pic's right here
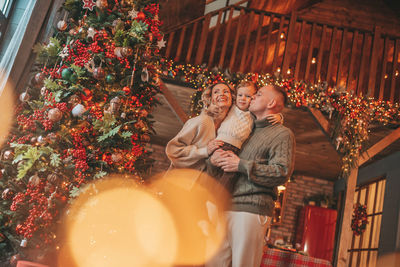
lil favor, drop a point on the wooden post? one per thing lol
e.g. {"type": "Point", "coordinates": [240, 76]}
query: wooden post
{"type": "Point", "coordinates": [345, 233]}
{"type": "Point", "coordinates": [310, 51]}
{"type": "Point", "coordinates": [341, 57]}
{"type": "Point", "coordinates": [299, 50]}
{"type": "Point", "coordinates": [181, 38]}
{"type": "Point", "coordinates": [352, 59]}
{"type": "Point", "coordinates": [383, 73]}
{"type": "Point", "coordinates": [246, 42]}
{"type": "Point", "coordinates": [203, 40]}
{"type": "Point", "coordinates": [191, 43]}
{"type": "Point", "coordinates": [394, 69]}
{"type": "Point", "coordinates": [374, 61]}
{"type": "Point", "coordinates": [320, 53]}
{"type": "Point", "coordinates": [173, 104]}
{"type": "Point", "coordinates": [226, 38]}
{"type": "Point", "coordinates": [256, 51]}
{"type": "Point", "coordinates": [169, 44]}
{"type": "Point", "coordinates": [215, 39]}
{"type": "Point", "coordinates": [278, 41]}
{"type": "Point", "coordinates": [289, 41]}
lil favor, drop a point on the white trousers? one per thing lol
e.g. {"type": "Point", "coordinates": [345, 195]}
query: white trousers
{"type": "Point", "coordinates": [243, 245]}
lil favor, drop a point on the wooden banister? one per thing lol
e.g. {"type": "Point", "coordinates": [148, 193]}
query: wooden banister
{"type": "Point", "coordinates": [250, 41]}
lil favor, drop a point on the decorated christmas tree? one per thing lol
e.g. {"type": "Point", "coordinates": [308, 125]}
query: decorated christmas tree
{"type": "Point", "coordinates": [85, 114]}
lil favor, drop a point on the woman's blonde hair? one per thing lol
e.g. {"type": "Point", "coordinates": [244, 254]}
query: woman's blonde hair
{"type": "Point", "coordinates": [206, 95]}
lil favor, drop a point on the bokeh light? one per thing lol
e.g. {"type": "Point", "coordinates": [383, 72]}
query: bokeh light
{"type": "Point", "coordinates": [115, 222]}
{"type": "Point", "coordinates": [197, 203]}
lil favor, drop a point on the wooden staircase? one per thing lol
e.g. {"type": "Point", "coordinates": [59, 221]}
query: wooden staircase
{"type": "Point", "coordinates": [249, 40]}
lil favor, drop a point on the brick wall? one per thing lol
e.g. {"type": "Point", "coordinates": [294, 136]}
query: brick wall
{"type": "Point", "coordinates": [299, 188]}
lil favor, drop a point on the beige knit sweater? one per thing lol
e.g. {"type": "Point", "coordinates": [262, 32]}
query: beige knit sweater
{"type": "Point", "coordinates": [188, 149]}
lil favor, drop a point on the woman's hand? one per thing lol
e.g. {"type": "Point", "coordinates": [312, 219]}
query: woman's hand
{"type": "Point", "coordinates": [213, 145]}
{"type": "Point", "coordinates": [275, 118]}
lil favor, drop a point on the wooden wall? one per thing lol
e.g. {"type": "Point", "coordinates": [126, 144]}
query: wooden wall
{"type": "Point", "coordinates": [176, 12]}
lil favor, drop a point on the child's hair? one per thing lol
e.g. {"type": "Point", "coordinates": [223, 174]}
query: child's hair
{"type": "Point", "coordinates": [206, 95]}
{"type": "Point", "coordinates": [247, 84]}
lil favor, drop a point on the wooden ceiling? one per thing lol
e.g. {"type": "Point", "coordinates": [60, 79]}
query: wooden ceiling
{"type": "Point", "coordinates": [315, 155]}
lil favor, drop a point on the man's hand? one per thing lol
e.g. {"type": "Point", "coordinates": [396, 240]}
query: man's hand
{"type": "Point", "coordinates": [230, 163]}
{"type": "Point", "coordinates": [215, 158]}
{"type": "Point", "coordinates": [227, 160]}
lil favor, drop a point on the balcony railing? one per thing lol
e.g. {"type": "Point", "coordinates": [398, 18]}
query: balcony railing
{"type": "Point", "coordinates": [249, 40]}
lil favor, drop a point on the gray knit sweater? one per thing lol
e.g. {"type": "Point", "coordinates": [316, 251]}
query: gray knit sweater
{"type": "Point", "coordinates": [266, 161]}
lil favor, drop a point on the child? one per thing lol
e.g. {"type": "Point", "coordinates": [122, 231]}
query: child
{"type": "Point", "coordinates": [237, 126]}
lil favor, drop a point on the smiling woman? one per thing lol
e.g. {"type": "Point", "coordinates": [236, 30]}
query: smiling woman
{"type": "Point", "coordinates": [195, 142]}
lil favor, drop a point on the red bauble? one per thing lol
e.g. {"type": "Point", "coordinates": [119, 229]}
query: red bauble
{"type": "Point", "coordinates": [88, 95]}
{"type": "Point", "coordinates": [127, 90]}
{"type": "Point", "coordinates": [98, 73]}
{"type": "Point", "coordinates": [141, 16]}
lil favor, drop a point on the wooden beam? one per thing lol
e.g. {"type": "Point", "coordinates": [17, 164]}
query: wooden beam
{"type": "Point", "coordinates": [345, 234]}
{"type": "Point", "coordinates": [174, 105]}
{"type": "Point", "coordinates": [322, 121]}
{"type": "Point", "coordinates": [378, 147]}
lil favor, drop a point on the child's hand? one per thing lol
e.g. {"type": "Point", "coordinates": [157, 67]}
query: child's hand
{"type": "Point", "coordinates": [275, 118]}
{"type": "Point", "coordinates": [214, 145]}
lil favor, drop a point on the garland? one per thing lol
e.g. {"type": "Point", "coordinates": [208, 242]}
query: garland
{"type": "Point", "coordinates": [359, 221]}
{"type": "Point", "coordinates": [351, 115]}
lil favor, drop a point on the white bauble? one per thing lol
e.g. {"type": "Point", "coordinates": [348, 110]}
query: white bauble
{"type": "Point", "coordinates": [78, 110]}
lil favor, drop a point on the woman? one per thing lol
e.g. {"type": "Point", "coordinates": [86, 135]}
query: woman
{"type": "Point", "coordinates": [196, 140]}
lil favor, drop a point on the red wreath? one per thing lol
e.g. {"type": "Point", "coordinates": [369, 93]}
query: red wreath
{"type": "Point", "coordinates": [360, 220]}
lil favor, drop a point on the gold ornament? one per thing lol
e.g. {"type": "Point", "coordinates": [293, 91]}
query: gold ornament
{"type": "Point", "coordinates": [52, 137]}
{"type": "Point", "coordinates": [55, 114]}
{"type": "Point", "coordinates": [145, 138]}
{"type": "Point", "coordinates": [102, 4]}
{"type": "Point", "coordinates": [127, 51]}
{"type": "Point", "coordinates": [8, 155]}
{"type": "Point", "coordinates": [53, 178]}
{"type": "Point", "coordinates": [115, 104]}
{"type": "Point", "coordinates": [74, 100]}
{"type": "Point", "coordinates": [43, 91]}
{"type": "Point", "coordinates": [24, 97]}
{"type": "Point", "coordinates": [118, 52]}
{"type": "Point", "coordinates": [116, 157]}
{"type": "Point", "coordinates": [34, 180]}
{"type": "Point", "coordinates": [62, 25]}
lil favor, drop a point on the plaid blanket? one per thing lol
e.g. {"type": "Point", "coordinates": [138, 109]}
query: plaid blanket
{"type": "Point", "coordinates": [279, 258]}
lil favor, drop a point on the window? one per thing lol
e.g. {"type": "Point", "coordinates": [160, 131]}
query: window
{"type": "Point", "coordinates": [364, 248]}
{"type": "Point", "coordinates": [5, 8]}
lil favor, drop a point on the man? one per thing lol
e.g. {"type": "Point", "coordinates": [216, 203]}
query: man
{"type": "Point", "coordinates": [266, 161]}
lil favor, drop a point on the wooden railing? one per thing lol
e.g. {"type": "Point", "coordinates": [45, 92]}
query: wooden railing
{"type": "Point", "coordinates": [249, 40]}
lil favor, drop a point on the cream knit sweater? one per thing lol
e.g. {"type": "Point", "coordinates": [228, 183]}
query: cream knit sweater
{"type": "Point", "coordinates": [236, 127]}
{"type": "Point", "coordinates": [188, 149]}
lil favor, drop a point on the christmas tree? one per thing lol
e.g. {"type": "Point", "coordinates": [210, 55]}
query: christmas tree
{"type": "Point", "coordinates": [85, 114]}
